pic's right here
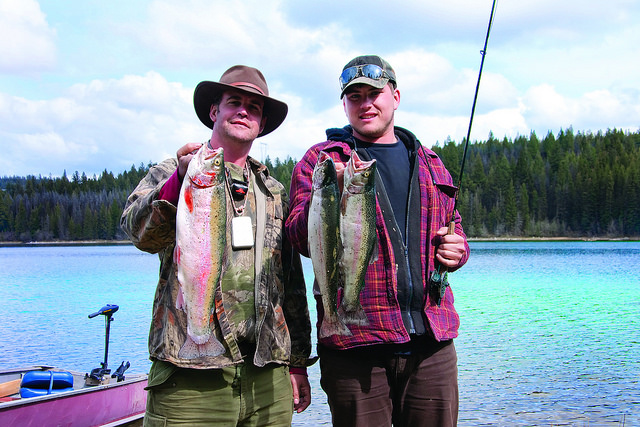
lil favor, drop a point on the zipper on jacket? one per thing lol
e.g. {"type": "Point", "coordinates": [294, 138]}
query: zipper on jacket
{"type": "Point", "coordinates": [412, 326]}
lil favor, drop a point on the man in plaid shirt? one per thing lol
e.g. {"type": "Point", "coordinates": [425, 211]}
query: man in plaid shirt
{"type": "Point", "coordinates": [401, 368]}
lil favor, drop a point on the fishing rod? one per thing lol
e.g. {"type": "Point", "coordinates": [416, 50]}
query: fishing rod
{"type": "Point", "coordinates": [439, 277]}
{"type": "Point", "coordinates": [473, 110]}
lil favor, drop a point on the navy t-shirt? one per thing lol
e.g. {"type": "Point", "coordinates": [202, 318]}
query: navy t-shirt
{"type": "Point", "coordinates": [392, 163]}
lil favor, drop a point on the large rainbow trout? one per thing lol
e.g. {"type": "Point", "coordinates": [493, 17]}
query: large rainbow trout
{"type": "Point", "coordinates": [324, 242]}
{"type": "Point", "coordinates": [358, 235]}
{"type": "Point", "coordinates": [201, 241]}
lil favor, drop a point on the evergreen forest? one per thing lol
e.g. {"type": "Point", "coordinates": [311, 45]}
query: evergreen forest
{"type": "Point", "coordinates": [78, 208]}
{"type": "Point", "coordinates": [572, 185]}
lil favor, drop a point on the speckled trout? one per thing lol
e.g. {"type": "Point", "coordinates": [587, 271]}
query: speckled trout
{"type": "Point", "coordinates": [358, 235]}
{"type": "Point", "coordinates": [324, 242]}
{"type": "Point", "coordinates": [201, 240]}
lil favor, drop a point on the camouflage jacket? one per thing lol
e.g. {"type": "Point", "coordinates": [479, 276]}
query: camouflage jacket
{"type": "Point", "coordinates": [283, 328]}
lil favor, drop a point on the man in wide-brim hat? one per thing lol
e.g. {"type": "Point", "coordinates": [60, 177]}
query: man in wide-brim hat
{"type": "Point", "coordinates": [245, 79]}
{"type": "Point", "coordinates": [252, 368]}
{"type": "Point", "coordinates": [233, 128]}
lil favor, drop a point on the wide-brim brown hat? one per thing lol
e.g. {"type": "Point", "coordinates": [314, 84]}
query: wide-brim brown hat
{"type": "Point", "coordinates": [246, 79]}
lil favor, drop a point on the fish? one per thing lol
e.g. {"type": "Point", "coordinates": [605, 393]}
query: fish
{"type": "Point", "coordinates": [200, 251]}
{"type": "Point", "coordinates": [324, 242]}
{"type": "Point", "coordinates": [358, 235]}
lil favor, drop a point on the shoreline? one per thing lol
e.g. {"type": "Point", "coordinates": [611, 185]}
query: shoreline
{"type": "Point", "coordinates": [554, 239]}
{"type": "Point", "coordinates": [474, 239]}
{"type": "Point", "coordinates": [67, 243]}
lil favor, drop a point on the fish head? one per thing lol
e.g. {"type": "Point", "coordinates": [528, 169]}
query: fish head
{"type": "Point", "coordinates": [206, 168]}
{"type": "Point", "coordinates": [324, 172]}
{"type": "Point", "coordinates": [359, 175]}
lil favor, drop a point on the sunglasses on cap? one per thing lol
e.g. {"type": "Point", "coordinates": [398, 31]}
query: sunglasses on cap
{"type": "Point", "coordinates": [370, 71]}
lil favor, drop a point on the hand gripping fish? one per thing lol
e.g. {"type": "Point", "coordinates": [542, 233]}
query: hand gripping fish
{"type": "Point", "coordinates": [324, 242]}
{"type": "Point", "coordinates": [358, 235]}
{"type": "Point", "coordinates": [200, 249]}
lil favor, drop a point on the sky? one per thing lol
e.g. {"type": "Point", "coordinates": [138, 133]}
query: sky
{"type": "Point", "coordinates": [94, 85]}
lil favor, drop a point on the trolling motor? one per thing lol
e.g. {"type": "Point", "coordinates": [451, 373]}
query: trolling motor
{"type": "Point", "coordinates": [97, 375]}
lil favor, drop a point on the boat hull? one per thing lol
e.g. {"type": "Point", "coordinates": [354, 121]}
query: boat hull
{"type": "Point", "coordinates": [107, 404]}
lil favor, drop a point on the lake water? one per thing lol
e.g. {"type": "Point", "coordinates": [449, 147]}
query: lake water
{"type": "Point", "coordinates": [550, 331]}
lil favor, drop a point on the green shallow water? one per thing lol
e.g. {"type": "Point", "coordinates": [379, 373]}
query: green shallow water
{"type": "Point", "coordinates": [549, 334]}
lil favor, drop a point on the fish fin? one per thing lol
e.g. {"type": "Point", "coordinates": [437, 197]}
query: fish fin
{"type": "Point", "coordinates": [180, 299]}
{"type": "Point", "coordinates": [333, 326]}
{"type": "Point", "coordinates": [342, 206]}
{"type": "Point", "coordinates": [353, 315]}
{"type": "Point", "coordinates": [176, 255]}
{"type": "Point", "coordinates": [180, 303]}
{"type": "Point", "coordinates": [191, 350]}
{"type": "Point", "coordinates": [340, 276]}
{"type": "Point", "coordinates": [374, 253]}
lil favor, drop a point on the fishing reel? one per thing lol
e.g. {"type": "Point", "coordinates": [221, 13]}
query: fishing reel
{"type": "Point", "coordinates": [438, 284]}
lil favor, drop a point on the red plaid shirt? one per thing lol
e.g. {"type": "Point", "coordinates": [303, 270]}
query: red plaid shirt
{"type": "Point", "coordinates": [379, 296]}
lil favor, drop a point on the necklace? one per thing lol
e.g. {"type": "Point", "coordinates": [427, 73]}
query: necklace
{"type": "Point", "coordinates": [242, 235]}
{"type": "Point", "coordinates": [239, 190]}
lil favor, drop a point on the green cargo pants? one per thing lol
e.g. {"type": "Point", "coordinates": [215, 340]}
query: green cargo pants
{"type": "Point", "coordinates": [242, 395]}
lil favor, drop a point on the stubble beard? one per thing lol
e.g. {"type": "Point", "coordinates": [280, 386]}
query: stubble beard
{"type": "Point", "coordinates": [238, 135]}
{"type": "Point", "coordinates": [374, 132]}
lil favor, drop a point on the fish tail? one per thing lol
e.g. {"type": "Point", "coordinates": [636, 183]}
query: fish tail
{"type": "Point", "coordinates": [191, 350]}
{"type": "Point", "coordinates": [333, 326]}
{"type": "Point", "coordinates": [212, 348]}
{"type": "Point", "coordinates": [353, 315]}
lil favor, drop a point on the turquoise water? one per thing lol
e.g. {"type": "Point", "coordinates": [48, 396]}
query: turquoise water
{"type": "Point", "coordinates": [550, 331]}
{"type": "Point", "coordinates": [550, 334]}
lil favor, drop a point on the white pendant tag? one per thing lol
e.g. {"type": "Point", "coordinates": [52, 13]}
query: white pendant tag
{"type": "Point", "coordinates": [241, 232]}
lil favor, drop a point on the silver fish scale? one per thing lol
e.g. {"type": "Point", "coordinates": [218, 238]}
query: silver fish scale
{"type": "Point", "coordinates": [324, 242]}
{"type": "Point", "coordinates": [200, 245]}
{"type": "Point", "coordinates": [358, 235]}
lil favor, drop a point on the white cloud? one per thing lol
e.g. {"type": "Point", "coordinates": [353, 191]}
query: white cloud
{"type": "Point", "coordinates": [302, 128]}
{"type": "Point", "coordinates": [549, 65]}
{"type": "Point", "coordinates": [250, 30]}
{"type": "Point", "coordinates": [593, 111]}
{"type": "Point", "coordinates": [108, 124]}
{"type": "Point", "coordinates": [27, 43]}
{"type": "Point", "coordinates": [294, 58]}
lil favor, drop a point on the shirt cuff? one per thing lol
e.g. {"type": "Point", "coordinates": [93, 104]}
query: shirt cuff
{"type": "Point", "coordinates": [298, 371]}
{"type": "Point", "coordinates": [170, 191]}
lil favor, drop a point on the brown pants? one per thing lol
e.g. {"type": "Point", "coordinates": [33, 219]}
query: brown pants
{"type": "Point", "coordinates": [369, 388]}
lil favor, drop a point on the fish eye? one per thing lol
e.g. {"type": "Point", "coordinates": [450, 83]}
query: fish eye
{"type": "Point", "coordinates": [217, 162]}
